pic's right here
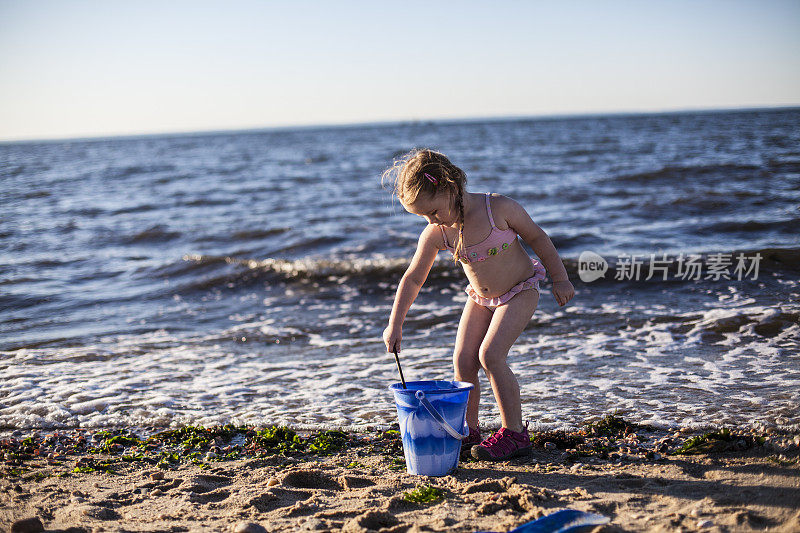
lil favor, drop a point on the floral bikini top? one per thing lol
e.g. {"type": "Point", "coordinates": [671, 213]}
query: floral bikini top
{"type": "Point", "coordinates": [497, 241]}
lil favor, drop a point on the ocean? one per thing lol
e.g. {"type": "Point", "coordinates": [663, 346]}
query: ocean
{"type": "Point", "coordinates": [246, 277]}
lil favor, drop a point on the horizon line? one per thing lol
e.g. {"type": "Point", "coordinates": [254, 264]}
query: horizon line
{"type": "Point", "coordinates": [388, 122]}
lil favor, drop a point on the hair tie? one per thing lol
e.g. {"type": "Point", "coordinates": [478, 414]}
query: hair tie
{"type": "Point", "coordinates": [431, 178]}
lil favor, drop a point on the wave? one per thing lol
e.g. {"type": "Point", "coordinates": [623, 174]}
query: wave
{"type": "Point", "coordinates": [85, 211]}
{"type": "Point", "coordinates": [228, 236]}
{"type": "Point", "coordinates": [747, 226]}
{"type": "Point", "coordinates": [671, 172]}
{"type": "Point", "coordinates": [14, 281]}
{"type": "Point", "coordinates": [114, 173]}
{"type": "Point", "coordinates": [9, 171]}
{"type": "Point", "coordinates": [159, 232]}
{"type": "Point", "coordinates": [322, 270]}
{"type": "Point", "coordinates": [169, 178]}
{"type": "Point", "coordinates": [208, 202]}
{"type": "Point", "coordinates": [36, 194]}
{"type": "Point", "coordinates": [599, 150]}
{"type": "Point", "coordinates": [15, 302]}
{"type": "Point", "coordinates": [768, 324]}
{"type": "Point", "coordinates": [713, 324]}
{"type": "Point", "coordinates": [53, 261]}
{"type": "Point", "coordinates": [784, 166]}
{"type": "Point", "coordinates": [12, 170]}
{"type": "Point", "coordinates": [246, 235]}
{"type": "Point", "coordinates": [571, 241]}
{"type": "Point", "coordinates": [134, 209]}
{"type": "Point", "coordinates": [368, 273]}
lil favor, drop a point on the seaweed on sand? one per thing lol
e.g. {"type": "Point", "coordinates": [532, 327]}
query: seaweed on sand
{"type": "Point", "coordinates": [613, 425]}
{"type": "Point", "coordinates": [328, 442]}
{"type": "Point", "coordinates": [560, 438]}
{"type": "Point", "coordinates": [278, 439]}
{"type": "Point", "coordinates": [197, 437]}
{"type": "Point", "coordinates": [424, 494]}
{"type": "Point", "coordinates": [86, 465]}
{"type": "Point", "coordinates": [718, 441]}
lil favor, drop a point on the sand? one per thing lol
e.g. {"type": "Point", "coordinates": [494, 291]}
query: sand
{"type": "Point", "coordinates": [358, 484]}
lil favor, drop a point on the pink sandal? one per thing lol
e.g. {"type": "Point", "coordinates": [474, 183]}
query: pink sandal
{"type": "Point", "coordinates": [503, 444]}
{"type": "Point", "coordinates": [473, 439]}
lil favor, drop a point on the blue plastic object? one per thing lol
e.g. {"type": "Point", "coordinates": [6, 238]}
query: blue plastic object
{"type": "Point", "coordinates": [432, 416]}
{"type": "Point", "coordinates": [564, 521]}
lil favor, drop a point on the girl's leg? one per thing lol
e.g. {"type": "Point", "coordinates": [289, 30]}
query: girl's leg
{"type": "Point", "coordinates": [471, 329]}
{"type": "Point", "coordinates": [508, 321]}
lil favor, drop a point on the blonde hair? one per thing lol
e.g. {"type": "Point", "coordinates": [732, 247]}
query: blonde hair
{"type": "Point", "coordinates": [409, 181]}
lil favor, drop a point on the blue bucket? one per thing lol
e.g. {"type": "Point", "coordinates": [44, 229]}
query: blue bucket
{"type": "Point", "coordinates": [429, 413]}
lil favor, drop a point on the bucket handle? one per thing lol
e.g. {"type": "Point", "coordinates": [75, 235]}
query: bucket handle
{"type": "Point", "coordinates": [438, 417]}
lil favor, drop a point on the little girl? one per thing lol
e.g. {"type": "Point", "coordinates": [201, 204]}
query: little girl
{"type": "Point", "coordinates": [503, 289]}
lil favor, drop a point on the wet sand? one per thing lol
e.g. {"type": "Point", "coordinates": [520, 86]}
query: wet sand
{"type": "Point", "coordinates": [250, 479]}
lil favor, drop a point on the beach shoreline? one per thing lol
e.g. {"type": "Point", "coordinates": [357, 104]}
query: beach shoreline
{"type": "Point", "coordinates": [223, 478]}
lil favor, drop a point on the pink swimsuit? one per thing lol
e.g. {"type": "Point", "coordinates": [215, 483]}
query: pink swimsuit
{"type": "Point", "coordinates": [497, 241]}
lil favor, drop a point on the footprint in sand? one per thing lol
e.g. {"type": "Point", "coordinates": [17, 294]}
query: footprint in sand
{"type": "Point", "coordinates": [354, 482]}
{"type": "Point", "coordinates": [206, 488]}
{"type": "Point", "coordinates": [287, 495]}
{"type": "Point", "coordinates": [370, 521]}
{"type": "Point", "coordinates": [208, 497]}
{"type": "Point", "coordinates": [506, 493]}
{"type": "Point", "coordinates": [311, 479]}
{"type": "Point", "coordinates": [203, 483]}
{"type": "Point", "coordinates": [276, 497]}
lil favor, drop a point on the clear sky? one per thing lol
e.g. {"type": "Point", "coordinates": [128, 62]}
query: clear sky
{"type": "Point", "coordinates": [81, 68]}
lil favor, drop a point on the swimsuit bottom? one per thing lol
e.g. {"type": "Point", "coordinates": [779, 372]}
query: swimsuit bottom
{"type": "Point", "coordinates": [530, 283]}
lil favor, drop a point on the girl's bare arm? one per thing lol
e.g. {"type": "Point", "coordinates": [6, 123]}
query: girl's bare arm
{"type": "Point", "coordinates": [519, 219]}
{"type": "Point", "coordinates": [416, 274]}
